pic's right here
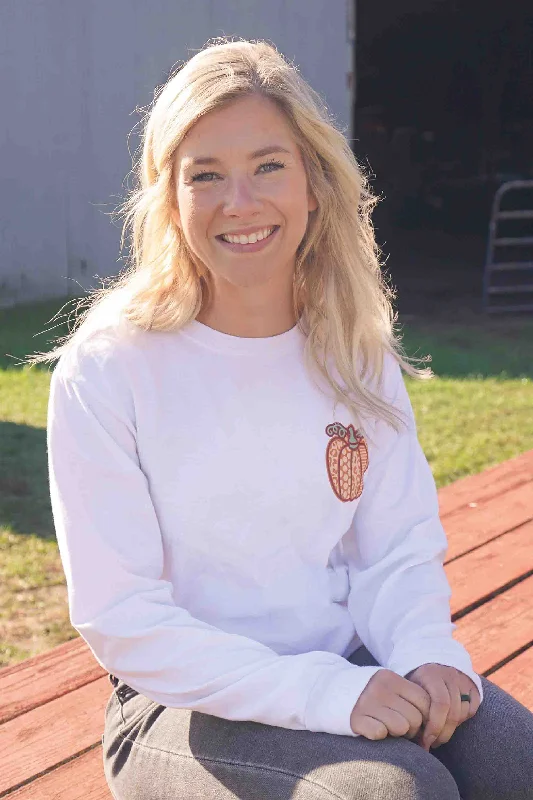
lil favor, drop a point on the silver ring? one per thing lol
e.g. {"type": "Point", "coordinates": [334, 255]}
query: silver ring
{"type": "Point", "coordinates": [465, 698]}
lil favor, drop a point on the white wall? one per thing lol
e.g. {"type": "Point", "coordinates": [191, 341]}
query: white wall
{"type": "Point", "coordinates": [72, 73]}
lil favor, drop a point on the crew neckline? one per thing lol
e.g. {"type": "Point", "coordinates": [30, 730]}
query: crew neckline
{"type": "Point", "coordinates": [281, 343]}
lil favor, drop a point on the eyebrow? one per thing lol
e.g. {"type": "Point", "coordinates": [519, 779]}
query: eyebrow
{"type": "Point", "coordinates": [264, 151]}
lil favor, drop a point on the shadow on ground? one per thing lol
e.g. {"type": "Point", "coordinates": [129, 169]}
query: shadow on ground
{"type": "Point", "coordinates": [24, 493]}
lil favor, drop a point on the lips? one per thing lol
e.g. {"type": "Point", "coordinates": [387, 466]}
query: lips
{"type": "Point", "coordinates": [271, 228]}
{"type": "Point", "coordinates": [249, 248]}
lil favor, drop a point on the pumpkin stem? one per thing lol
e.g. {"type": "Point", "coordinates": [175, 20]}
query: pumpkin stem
{"type": "Point", "coordinates": [354, 438]}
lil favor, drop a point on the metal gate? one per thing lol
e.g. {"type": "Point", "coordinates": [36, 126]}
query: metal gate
{"type": "Point", "coordinates": [513, 276]}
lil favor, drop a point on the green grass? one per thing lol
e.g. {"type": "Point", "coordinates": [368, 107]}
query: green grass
{"type": "Point", "coordinates": [474, 346]}
{"type": "Point", "coordinates": [476, 413]}
{"type": "Point", "coordinates": [467, 425]}
{"type": "Point", "coordinates": [30, 328]}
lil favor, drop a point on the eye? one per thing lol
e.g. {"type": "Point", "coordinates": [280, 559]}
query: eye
{"type": "Point", "coordinates": [201, 175]}
{"type": "Point", "coordinates": [276, 164]}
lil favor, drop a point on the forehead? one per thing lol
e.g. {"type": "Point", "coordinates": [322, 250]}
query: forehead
{"type": "Point", "coordinates": [245, 124]}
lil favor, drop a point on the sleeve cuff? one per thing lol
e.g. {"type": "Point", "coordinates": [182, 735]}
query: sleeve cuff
{"type": "Point", "coordinates": [332, 699]}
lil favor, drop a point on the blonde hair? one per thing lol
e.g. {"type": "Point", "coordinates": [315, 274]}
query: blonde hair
{"type": "Point", "coordinates": [340, 296]}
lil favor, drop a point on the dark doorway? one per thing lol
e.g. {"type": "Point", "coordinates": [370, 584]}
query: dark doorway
{"type": "Point", "coordinates": [443, 116]}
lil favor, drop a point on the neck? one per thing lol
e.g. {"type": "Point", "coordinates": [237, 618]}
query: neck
{"type": "Point", "coordinates": [253, 325]}
{"type": "Point", "coordinates": [249, 314]}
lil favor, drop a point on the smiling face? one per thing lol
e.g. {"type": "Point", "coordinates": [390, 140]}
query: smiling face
{"type": "Point", "coordinates": [239, 171]}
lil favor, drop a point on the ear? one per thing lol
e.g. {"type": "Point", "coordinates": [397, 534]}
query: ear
{"type": "Point", "coordinates": [312, 203]}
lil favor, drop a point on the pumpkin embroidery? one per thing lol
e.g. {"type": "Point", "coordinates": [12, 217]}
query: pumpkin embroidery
{"type": "Point", "coordinates": [346, 461]}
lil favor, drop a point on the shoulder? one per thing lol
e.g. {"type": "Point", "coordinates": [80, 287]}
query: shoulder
{"type": "Point", "coordinates": [103, 366]}
{"type": "Point", "coordinates": [107, 350]}
{"type": "Point", "coordinates": [384, 381]}
{"type": "Point", "coordinates": [383, 377]}
{"type": "Point", "coordinates": [91, 350]}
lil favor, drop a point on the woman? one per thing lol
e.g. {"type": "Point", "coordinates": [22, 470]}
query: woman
{"type": "Point", "coordinates": [248, 525]}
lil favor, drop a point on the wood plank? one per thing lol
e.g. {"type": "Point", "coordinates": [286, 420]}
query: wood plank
{"type": "Point", "coordinates": [494, 565]}
{"type": "Point", "coordinates": [53, 732]}
{"type": "Point", "coordinates": [498, 628]}
{"type": "Point", "coordinates": [81, 779]}
{"type": "Point", "coordinates": [71, 646]}
{"type": "Point", "coordinates": [485, 485]}
{"type": "Point", "coordinates": [516, 678]}
{"type": "Point", "coordinates": [49, 675]}
{"type": "Point", "coordinates": [473, 526]}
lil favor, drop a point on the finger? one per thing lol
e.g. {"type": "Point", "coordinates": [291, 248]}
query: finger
{"type": "Point", "coordinates": [369, 727]}
{"type": "Point", "coordinates": [456, 715]}
{"type": "Point", "coordinates": [458, 708]}
{"type": "Point", "coordinates": [419, 739]}
{"type": "Point", "coordinates": [397, 724]}
{"type": "Point", "coordinates": [417, 696]}
{"type": "Point", "coordinates": [409, 712]}
{"type": "Point", "coordinates": [466, 705]}
{"type": "Point", "coordinates": [468, 686]}
{"type": "Point", "coordinates": [438, 711]}
{"type": "Point", "coordinates": [475, 699]}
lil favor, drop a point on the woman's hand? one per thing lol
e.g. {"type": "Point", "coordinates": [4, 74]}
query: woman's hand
{"type": "Point", "coordinates": [444, 685]}
{"type": "Point", "coordinates": [390, 704]}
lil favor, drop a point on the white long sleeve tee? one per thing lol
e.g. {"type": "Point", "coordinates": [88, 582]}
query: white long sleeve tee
{"type": "Point", "coordinates": [214, 559]}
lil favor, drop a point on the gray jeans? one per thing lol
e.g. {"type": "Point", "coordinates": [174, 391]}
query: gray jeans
{"type": "Point", "coordinates": [151, 752]}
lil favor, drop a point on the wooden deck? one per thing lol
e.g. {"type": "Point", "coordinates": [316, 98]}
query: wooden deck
{"type": "Point", "coordinates": [52, 706]}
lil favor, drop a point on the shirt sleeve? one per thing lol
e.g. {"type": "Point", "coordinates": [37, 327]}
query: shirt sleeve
{"type": "Point", "coordinates": [120, 601]}
{"type": "Point", "coordinates": [395, 550]}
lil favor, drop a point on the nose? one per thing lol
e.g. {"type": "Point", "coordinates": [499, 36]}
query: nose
{"type": "Point", "coordinates": [241, 199]}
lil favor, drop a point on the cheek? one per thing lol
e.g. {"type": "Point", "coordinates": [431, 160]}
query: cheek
{"type": "Point", "coordinates": [293, 197]}
{"type": "Point", "coordinates": [297, 212]}
{"type": "Point", "coordinates": [193, 214]}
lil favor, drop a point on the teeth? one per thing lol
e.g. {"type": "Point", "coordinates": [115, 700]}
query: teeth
{"type": "Point", "coordinates": [254, 237]}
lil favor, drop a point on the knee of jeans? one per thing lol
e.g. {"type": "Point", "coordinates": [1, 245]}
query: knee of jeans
{"type": "Point", "coordinates": [430, 778]}
{"type": "Point", "coordinates": [404, 771]}
{"type": "Point", "coordinates": [399, 769]}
